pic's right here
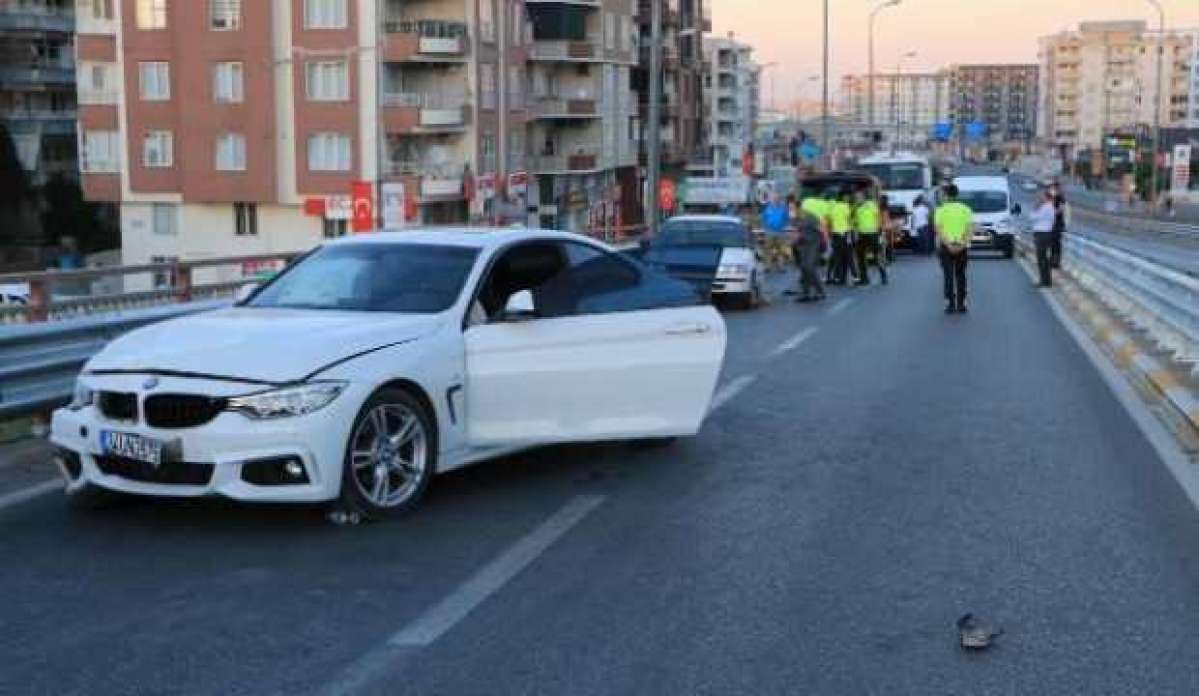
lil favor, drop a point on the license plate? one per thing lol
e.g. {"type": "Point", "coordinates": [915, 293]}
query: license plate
{"type": "Point", "coordinates": [132, 446]}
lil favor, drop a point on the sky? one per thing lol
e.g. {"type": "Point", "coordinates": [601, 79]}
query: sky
{"type": "Point", "coordinates": [940, 31]}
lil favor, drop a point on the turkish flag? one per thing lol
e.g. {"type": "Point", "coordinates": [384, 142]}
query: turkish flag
{"type": "Point", "coordinates": [363, 217]}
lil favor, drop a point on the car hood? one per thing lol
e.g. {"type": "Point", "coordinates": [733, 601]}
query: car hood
{"type": "Point", "coordinates": [261, 345]}
{"type": "Point", "coordinates": [991, 218]}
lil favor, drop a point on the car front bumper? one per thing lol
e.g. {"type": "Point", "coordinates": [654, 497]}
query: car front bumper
{"type": "Point", "coordinates": [732, 286]}
{"type": "Point", "coordinates": [223, 446]}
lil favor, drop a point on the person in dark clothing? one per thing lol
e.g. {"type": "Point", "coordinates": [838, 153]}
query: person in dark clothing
{"type": "Point", "coordinates": [1059, 226]}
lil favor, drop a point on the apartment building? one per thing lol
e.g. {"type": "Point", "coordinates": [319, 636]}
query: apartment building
{"type": "Point", "coordinates": [1101, 78]}
{"type": "Point", "coordinates": [231, 127]}
{"type": "Point", "coordinates": [732, 99]}
{"type": "Point", "coordinates": [682, 110]}
{"type": "Point", "coordinates": [1001, 97]}
{"type": "Point", "coordinates": [37, 95]}
{"type": "Point", "coordinates": [583, 112]}
{"type": "Point", "coordinates": [906, 105]}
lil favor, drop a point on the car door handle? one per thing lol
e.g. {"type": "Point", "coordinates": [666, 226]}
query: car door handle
{"type": "Point", "coordinates": [687, 329]}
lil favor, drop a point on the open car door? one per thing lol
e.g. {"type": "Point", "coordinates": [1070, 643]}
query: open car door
{"type": "Point", "coordinates": [582, 344]}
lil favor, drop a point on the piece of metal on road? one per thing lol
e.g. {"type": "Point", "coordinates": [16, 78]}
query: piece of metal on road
{"type": "Point", "coordinates": [27, 494]}
{"type": "Point", "coordinates": [730, 391]}
{"type": "Point", "coordinates": [794, 342]}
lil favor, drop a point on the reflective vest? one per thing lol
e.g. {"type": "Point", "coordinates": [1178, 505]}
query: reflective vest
{"type": "Point", "coordinates": [953, 220]}
{"type": "Point", "coordinates": [867, 218]}
{"type": "Point", "coordinates": [839, 215]}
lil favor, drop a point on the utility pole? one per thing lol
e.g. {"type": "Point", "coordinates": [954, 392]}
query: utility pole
{"type": "Point", "coordinates": [1157, 104]}
{"type": "Point", "coordinates": [654, 147]}
{"type": "Point", "coordinates": [824, 124]}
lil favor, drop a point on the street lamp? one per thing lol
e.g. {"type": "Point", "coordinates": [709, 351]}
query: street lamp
{"type": "Point", "coordinates": [870, 69]}
{"type": "Point", "coordinates": [1157, 103]}
{"type": "Point", "coordinates": [764, 68]}
{"type": "Point", "coordinates": [895, 91]}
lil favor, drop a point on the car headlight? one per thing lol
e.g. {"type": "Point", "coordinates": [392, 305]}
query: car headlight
{"type": "Point", "coordinates": [82, 397]}
{"type": "Point", "coordinates": [288, 401]}
{"type": "Point", "coordinates": [733, 270]}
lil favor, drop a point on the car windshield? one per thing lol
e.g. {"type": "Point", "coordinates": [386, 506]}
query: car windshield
{"type": "Point", "coordinates": [701, 233]}
{"type": "Point", "coordinates": [414, 278]}
{"type": "Point", "coordinates": [984, 201]}
{"type": "Point", "coordinates": [898, 175]}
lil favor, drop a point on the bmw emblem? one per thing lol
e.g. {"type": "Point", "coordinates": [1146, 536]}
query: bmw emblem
{"type": "Point", "coordinates": [150, 383]}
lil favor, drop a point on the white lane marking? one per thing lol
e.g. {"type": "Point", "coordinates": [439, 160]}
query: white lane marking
{"type": "Point", "coordinates": [840, 307]}
{"type": "Point", "coordinates": [1159, 438]}
{"type": "Point", "coordinates": [730, 391]}
{"type": "Point", "coordinates": [445, 614]}
{"type": "Point", "coordinates": [793, 342]}
{"type": "Point", "coordinates": [25, 494]}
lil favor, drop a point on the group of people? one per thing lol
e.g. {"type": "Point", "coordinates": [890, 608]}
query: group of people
{"type": "Point", "coordinates": [846, 226]}
{"type": "Point", "coordinates": [850, 226]}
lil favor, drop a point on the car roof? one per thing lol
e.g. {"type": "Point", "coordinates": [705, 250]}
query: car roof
{"type": "Point", "coordinates": [469, 237]}
{"type": "Point", "coordinates": [706, 218]}
{"type": "Point", "coordinates": [979, 183]}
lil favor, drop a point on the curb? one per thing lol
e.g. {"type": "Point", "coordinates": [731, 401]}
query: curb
{"type": "Point", "coordinates": [1124, 351]}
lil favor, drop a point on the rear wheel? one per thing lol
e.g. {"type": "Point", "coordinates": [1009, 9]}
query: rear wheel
{"type": "Point", "coordinates": [390, 457]}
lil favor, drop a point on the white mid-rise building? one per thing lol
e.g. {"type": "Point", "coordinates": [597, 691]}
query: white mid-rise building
{"type": "Point", "coordinates": [732, 99]}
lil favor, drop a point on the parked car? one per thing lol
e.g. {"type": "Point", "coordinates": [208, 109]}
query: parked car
{"type": "Point", "coordinates": [376, 361]}
{"type": "Point", "coordinates": [14, 295]}
{"type": "Point", "coordinates": [716, 254]}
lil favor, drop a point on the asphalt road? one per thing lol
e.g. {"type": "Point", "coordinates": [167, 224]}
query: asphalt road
{"type": "Point", "coordinates": [874, 470]}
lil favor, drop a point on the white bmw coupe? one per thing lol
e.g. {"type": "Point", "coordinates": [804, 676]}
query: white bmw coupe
{"type": "Point", "coordinates": [374, 362]}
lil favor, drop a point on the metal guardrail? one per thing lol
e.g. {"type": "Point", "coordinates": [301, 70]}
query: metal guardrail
{"type": "Point", "coordinates": [1167, 228]}
{"type": "Point", "coordinates": [39, 362]}
{"type": "Point", "coordinates": [1161, 301]}
{"type": "Point", "coordinates": [1157, 300]}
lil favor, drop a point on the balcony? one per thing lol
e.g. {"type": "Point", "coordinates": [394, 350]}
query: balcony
{"type": "Point", "coordinates": [424, 40]}
{"type": "Point", "coordinates": [550, 107]}
{"type": "Point", "coordinates": [579, 3]}
{"type": "Point", "coordinates": [39, 74]}
{"type": "Point", "coordinates": [586, 50]}
{"type": "Point", "coordinates": [37, 19]}
{"type": "Point", "coordinates": [431, 183]}
{"type": "Point", "coordinates": [581, 163]}
{"type": "Point", "coordinates": [37, 115]}
{"type": "Point", "coordinates": [91, 97]}
{"type": "Point", "coordinates": [412, 112]}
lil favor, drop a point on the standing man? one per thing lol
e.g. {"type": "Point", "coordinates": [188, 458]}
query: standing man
{"type": "Point", "coordinates": [840, 223]}
{"type": "Point", "coordinates": [1044, 223]}
{"type": "Point", "coordinates": [922, 227]}
{"type": "Point", "coordinates": [812, 236]}
{"type": "Point", "coordinates": [1059, 225]}
{"type": "Point", "coordinates": [953, 221]}
{"type": "Point", "coordinates": [869, 224]}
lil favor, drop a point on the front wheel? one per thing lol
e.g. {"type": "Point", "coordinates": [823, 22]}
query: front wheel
{"type": "Point", "coordinates": [390, 457]}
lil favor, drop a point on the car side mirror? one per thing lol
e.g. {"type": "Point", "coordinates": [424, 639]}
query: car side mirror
{"type": "Point", "coordinates": [1016, 209]}
{"type": "Point", "coordinates": [520, 307]}
{"type": "Point", "coordinates": [245, 292]}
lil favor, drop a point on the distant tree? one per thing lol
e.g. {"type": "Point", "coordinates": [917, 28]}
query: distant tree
{"type": "Point", "coordinates": [14, 188]}
{"type": "Point", "coordinates": [66, 214]}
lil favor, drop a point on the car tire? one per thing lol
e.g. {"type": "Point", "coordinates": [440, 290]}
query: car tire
{"type": "Point", "coordinates": [390, 456]}
{"type": "Point", "coordinates": [1009, 249]}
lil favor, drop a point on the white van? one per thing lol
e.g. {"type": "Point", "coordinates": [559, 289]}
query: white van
{"type": "Point", "coordinates": [990, 197]}
{"type": "Point", "coordinates": [905, 176]}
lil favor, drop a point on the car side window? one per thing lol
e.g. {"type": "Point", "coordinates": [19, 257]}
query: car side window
{"type": "Point", "coordinates": [530, 266]}
{"type": "Point", "coordinates": [603, 282]}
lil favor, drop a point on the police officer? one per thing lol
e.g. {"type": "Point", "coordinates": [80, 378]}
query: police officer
{"type": "Point", "coordinates": [840, 222]}
{"type": "Point", "coordinates": [868, 222]}
{"type": "Point", "coordinates": [812, 233]}
{"type": "Point", "coordinates": [953, 221]}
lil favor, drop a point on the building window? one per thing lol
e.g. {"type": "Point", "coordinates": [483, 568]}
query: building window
{"type": "Point", "coordinates": [158, 149]}
{"type": "Point", "coordinates": [245, 219]}
{"type": "Point", "coordinates": [487, 85]}
{"type": "Point", "coordinates": [155, 80]}
{"type": "Point", "coordinates": [101, 152]}
{"type": "Point", "coordinates": [224, 15]}
{"type": "Point", "coordinates": [327, 80]}
{"type": "Point", "coordinates": [231, 152]}
{"type": "Point", "coordinates": [325, 14]}
{"type": "Point", "coordinates": [517, 29]}
{"type": "Point", "coordinates": [487, 151]}
{"type": "Point", "coordinates": [332, 229]}
{"type": "Point", "coordinates": [102, 9]}
{"type": "Point", "coordinates": [163, 219]}
{"type": "Point", "coordinates": [151, 14]}
{"type": "Point", "coordinates": [329, 152]}
{"type": "Point", "coordinates": [227, 83]}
